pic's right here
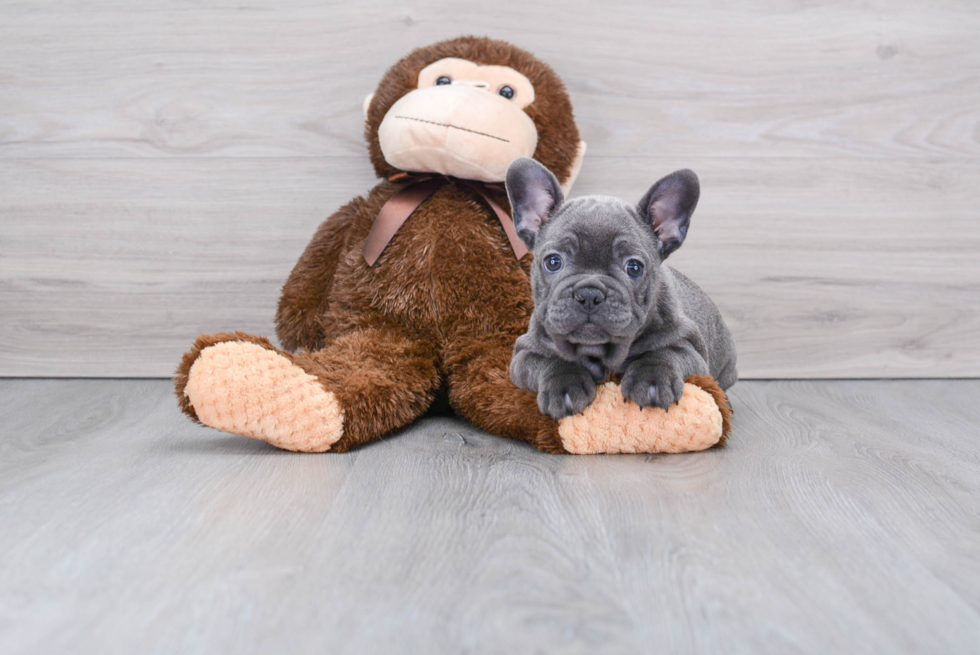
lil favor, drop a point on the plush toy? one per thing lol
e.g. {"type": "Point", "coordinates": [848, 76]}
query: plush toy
{"type": "Point", "coordinates": [419, 290]}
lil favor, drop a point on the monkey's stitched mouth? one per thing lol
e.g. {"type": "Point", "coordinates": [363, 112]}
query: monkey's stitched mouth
{"type": "Point", "coordinates": [463, 129]}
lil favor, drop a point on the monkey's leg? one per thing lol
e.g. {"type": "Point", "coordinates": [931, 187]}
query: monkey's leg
{"type": "Point", "coordinates": [383, 378]}
{"type": "Point", "coordinates": [360, 387]}
{"type": "Point", "coordinates": [699, 420]}
{"type": "Point", "coordinates": [480, 391]}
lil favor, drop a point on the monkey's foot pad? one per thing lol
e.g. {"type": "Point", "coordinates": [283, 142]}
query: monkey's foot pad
{"type": "Point", "coordinates": [245, 389]}
{"type": "Point", "coordinates": [612, 424]}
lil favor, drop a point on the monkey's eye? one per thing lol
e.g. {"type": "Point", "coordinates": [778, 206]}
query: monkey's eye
{"type": "Point", "coordinates": [443, 80]}
{"type": "Point", "coordinates": [506, 92]}
{"type": "Point", "coordinates": [553, 263]}
{"type": "Point", "coordinates": [634, 268]}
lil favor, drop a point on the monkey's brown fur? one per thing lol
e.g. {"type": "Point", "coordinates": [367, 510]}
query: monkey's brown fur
{"type": "Point", "coordinates": [445, 302]}
{"type": "Point", "coordinates": [440, 310]}
{"type": "Point", "coordinates": [709, 384]}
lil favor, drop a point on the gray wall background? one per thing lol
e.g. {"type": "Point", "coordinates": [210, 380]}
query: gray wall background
{"type": "Point", "coordinates": [162, 165]}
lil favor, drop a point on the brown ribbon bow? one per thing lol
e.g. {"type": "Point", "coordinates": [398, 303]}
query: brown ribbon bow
{"type": "Point", "coordinates": [400, 206]}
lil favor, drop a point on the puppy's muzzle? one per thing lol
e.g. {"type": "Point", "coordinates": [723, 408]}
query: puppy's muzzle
{"type": "Point", "coordinates": [589, 295]}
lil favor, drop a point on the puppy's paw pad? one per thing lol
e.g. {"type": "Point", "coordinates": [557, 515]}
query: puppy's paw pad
{"type": "Point", "coordinates": [613, 425]}
{"type": "Point", "coordinates": [652, 386]}
{"type": "Point", "coordinates": [246, 389]}
{"type": "Point", "coordinates": [568, 390]}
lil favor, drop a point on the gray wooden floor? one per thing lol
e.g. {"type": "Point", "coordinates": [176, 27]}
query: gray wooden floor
{"type": "Point", "coordinates": [844, 516]}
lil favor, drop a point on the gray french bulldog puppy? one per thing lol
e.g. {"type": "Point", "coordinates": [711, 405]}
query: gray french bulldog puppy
{"type": "Point", "coordinates": [603, 300]}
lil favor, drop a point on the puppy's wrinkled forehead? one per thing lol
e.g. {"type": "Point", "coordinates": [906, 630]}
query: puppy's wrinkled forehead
{"type": "Point", "coordinates": [596, 227]}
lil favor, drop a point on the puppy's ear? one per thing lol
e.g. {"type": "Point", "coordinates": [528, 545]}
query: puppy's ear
{"type": "Point", "coordinates": [667, 208]}
{"type": "Point", "coordinates": [534, 195]}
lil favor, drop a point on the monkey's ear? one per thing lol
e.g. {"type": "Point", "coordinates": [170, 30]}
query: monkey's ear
{"type": "Point", "coordinates": [534, 195]}
{"type": "Point", "coordinates": [566, 188]}
{"type": "Point", "coordinates": [367, 104]}
{"type": "Point", "coordinates": [667, 208]}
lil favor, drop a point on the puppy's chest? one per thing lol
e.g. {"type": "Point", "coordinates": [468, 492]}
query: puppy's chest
{"type": "Point", "coordinates": [599, 370]}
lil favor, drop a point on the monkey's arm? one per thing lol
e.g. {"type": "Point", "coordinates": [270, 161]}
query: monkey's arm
{"type": "Point", "coordinates": [304, 296]}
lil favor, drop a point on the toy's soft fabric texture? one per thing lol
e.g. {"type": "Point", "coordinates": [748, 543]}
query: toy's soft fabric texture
{"type": "Point", "coordinates": [613, 425]}
{"type": "Point", "coordinates": [438, 312]}
{"type": "Point", "coordinates": [250, 389]}
{"type": "Point", "coordinates": [460, 129]}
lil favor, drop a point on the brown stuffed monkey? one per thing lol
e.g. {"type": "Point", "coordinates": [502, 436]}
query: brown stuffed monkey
{"type": "Point", "coordinates": [421, 288]}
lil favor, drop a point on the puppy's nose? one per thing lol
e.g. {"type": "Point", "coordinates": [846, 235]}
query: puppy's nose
{"type": "Point", "coordinates": [590, 297]}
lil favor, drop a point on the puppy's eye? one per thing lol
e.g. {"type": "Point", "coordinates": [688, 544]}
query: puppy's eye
{"type": "Point", "coordinates": [553, 263]}
{"type": "Point", "coordinates": [443, 80]}
{"type": "Point", "coordinates": [506, 92]}
{"type": "Point", "coordinates": [634, 268]}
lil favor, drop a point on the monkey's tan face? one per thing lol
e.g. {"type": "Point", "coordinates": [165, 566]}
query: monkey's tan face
{"type": "Point", "coordinates": [463, 120]}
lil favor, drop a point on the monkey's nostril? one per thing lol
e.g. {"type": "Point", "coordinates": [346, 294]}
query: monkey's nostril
{"type": "Point", "coordinates": [478, 84]}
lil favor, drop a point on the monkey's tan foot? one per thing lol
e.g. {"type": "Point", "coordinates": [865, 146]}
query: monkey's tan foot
{"type": "Point", "coordinates": [614, 425]}
{"type": "Point", "coordinates": [242, 384]}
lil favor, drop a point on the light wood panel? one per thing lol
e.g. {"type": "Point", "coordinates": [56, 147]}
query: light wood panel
{"type": "Point", "coordinates": [779, 78]}
{"type": "Point", "coordinates": [813, 265]}
{"type": "Point", "coordinates": [842, 517]}
{"type": "Point", "coordinates": [161, 168]}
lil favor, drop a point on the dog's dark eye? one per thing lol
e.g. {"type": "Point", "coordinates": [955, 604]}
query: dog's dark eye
{"type": "Point", "coordinates": [634, 268]}
{"type": "Point", "coordinates": [506, 92]}
{"type": "Point", "coordinates": [443, 80]}
{"type": "Point", "coordinates": [553, 263]}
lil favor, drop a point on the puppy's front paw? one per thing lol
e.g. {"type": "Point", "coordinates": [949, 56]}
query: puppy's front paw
{"type": "Point", "coordinates": [565, 389]}
{"type": "Point", "coordinates": [652, 385]}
